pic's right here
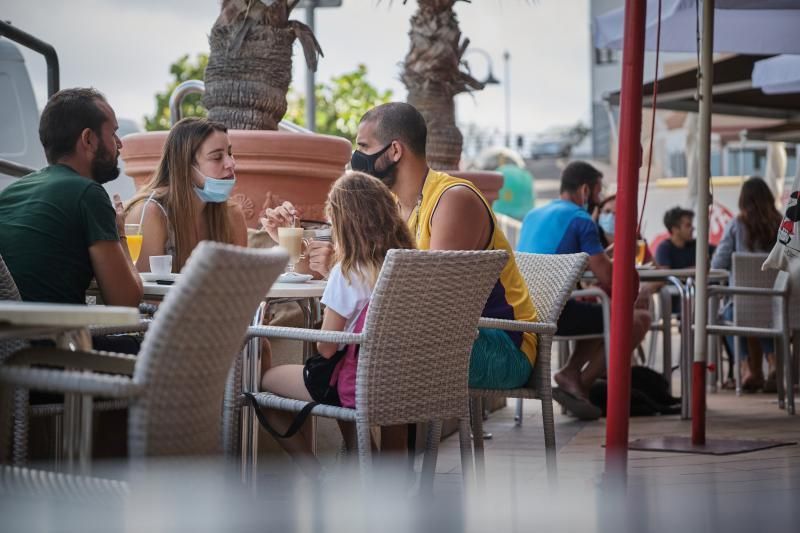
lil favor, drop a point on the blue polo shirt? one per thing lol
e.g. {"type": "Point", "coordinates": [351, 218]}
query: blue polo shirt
{"type": "Point", "coordinates": [560, 227]}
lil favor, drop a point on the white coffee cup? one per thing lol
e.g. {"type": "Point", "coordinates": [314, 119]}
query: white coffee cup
{"type": "Point", "coordinates": [161, 264]}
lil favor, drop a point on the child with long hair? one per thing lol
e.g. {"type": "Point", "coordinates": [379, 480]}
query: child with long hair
{"type": "Point", "coordinates": [755, 229]}
{"type": "Point", "coordinates": [366, 224]}
{"type": "Point", "coordinates": [187, 200]}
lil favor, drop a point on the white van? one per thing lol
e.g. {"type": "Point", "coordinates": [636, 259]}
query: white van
{"type": "Point", "coordinates": [19, 121]}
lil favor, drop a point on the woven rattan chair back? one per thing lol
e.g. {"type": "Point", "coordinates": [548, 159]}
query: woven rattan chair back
{"type": "Point", "coordinates": [8, 291]}
{"type": "Point", "coordinates": [419, 331]}
{"type": "Point", "coordinates": [550, 279]}
{"type": "Point", "coordinates": [752, 311]}
{"type": "Point", "coordinates": [189, 349]}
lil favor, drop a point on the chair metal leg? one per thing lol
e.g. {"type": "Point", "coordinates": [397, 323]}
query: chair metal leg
{"type": "Point", "coordinates": [563, 354]}
{"type": "Point", "coordinates": [476, 408]}
{"type": "Point", "coordinates": [364, 450]}
{"type": "Point", "coordinates": [429, 459]}
{"type": "Point", "coordinates": [251, 378]}
{"type": "Point", "coordinates": [780, 352]}
{"type": "Point", "coordinates": [467, 455]}
{"type": "Point", "coordinates": [788, 372]}
{"type": "Point", "coordinates": [737, 365]}
{"type": "Point", "coordinates": [518, 415]}
{"type": "Point", "coordinates": [549, 439]}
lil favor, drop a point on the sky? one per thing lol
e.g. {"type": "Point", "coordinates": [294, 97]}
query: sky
{"type": "Point", "coordinates": [125, 47]}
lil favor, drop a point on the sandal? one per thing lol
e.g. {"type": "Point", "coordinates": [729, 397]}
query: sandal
{"type": "Point", "coordinates": [579, 407]}
{"type": "Point", "coordinates": [752, 384]}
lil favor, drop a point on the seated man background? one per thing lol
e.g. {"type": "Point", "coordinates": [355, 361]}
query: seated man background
{"type": "Point", "coordinates": [564, 226]}
{"type": "Point", "coordinates": [679, 250]}
{"type": "Point", "coordinates": [58, 228]}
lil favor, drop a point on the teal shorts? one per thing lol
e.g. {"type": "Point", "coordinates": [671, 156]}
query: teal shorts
{"type": "Point", "coordinates": [496, 362]}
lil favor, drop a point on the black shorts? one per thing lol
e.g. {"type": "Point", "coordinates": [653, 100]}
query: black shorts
{"type": "Point", "coordinates": [580, 318]}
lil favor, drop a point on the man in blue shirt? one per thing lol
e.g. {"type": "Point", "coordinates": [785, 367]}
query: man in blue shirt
{"type": "Point", "coordinates": [564, 226]}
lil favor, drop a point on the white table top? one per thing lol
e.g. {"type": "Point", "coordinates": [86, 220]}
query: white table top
{"type": "Point", "coordinates": [66, 315]}
{"type": "Point", "coordinates": [309, 289]}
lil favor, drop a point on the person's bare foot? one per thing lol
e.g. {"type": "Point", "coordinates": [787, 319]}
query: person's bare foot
{"type": "Point", "coordinates": [571, 383]}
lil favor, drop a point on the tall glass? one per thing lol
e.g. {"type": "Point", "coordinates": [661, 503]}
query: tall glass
{"type": "Point", "coordinates": [133, 233]}
{"type": "Point", "coordinates": [641, 249]}
{"type": "Point", "coordinates": [292, 240]}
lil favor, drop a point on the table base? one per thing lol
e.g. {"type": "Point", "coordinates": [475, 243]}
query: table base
{"type": "Point", "coordinates": [711, 447]}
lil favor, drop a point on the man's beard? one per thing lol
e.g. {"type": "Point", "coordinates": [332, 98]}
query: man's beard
{"type": "Point", "coordinates": [104, 167]}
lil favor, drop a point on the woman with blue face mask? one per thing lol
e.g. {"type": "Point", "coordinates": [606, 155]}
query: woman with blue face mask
{"type": "Point", "coordinates": [188, 198]}
{"type": "Point", "coordinates": [606, 219]}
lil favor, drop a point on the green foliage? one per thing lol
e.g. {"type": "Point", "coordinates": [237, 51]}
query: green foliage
{"type": "Point", "coordinates": [340, 103]}
{"type": "Point", "coordinates": [183, 69]}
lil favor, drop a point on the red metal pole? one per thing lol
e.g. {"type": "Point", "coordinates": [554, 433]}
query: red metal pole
{"type": "Point", "coordinates": [623, 286]}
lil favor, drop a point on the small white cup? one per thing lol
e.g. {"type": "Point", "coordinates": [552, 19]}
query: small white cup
{"type": "Point", "coordinates": [161, 264]}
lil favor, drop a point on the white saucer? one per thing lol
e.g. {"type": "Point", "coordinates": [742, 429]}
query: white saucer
{"type": "Point", "coordinates": [293, 277]}
{"type": "Point", "coordinates": [149, 276]}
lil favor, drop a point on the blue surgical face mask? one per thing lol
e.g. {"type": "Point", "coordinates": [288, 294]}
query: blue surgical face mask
{"type": "Point", "coordinates": [606, 223]}
{"type": "Point", "coordinates": [214, 191]}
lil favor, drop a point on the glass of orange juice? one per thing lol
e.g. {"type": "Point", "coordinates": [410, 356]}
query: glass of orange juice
{"type": "Point", "coordinates": [133, 232]}
{"type": "Point", "coordinates": [641, 248]}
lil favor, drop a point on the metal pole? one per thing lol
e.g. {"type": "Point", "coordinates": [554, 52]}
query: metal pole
{"type": "Point", "coordinates": [311, 99]}
{"type": "Point", "coordinates": [507, 70]}
{"type": "Point", "coordinates": [179, 94]}
{"type": "Point", "coordinates": [701, 262]}
{"type": "Point", "coordinates": [37, 45]}
{"type": "Point", "coordinates": [622, 296]}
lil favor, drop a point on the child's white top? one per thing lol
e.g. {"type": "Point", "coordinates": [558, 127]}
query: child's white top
{"type": "Point", "coordinates": [346, 298]}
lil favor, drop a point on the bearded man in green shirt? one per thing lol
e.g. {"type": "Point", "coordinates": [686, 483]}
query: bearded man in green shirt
{"type": "Point", "coordinates": [58, 227]}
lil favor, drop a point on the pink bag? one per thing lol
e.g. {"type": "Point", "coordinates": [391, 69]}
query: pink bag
{"type": "Point", "coordinates": [346, 375]}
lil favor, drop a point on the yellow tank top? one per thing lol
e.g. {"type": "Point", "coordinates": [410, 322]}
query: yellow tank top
{"type": "Point", "coordinates": [509, 298]}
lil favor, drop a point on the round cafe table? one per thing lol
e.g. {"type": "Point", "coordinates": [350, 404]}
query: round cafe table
{"type": "Point", "coordinates": [154, 291]}
{"type": "Point", "coordinates": [68, 324]}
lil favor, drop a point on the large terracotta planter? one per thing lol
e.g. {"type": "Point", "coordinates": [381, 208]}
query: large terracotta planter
{"type": "Point", "coordinates": [488, 182]}
{"type": "Point", "coordinates": [271, 166]}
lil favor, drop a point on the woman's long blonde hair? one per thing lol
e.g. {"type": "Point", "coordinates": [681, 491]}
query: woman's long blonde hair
{"type": "Point", "coordinates": [172, 183]}
{"type": "Point", "coordinates": [366, 224]}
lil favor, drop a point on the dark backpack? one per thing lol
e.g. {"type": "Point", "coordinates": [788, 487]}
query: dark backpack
{"type": "Point", "coordinates": [649, 394]}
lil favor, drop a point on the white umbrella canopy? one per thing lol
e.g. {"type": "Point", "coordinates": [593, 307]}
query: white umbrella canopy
{"type": "Point", "coordinates": [741, 26]}
{"type": "Point", "coordinates": [778, 75]}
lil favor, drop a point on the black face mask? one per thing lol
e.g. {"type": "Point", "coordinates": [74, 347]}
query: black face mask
{"type": "Point", "coordinates": [362, 162]}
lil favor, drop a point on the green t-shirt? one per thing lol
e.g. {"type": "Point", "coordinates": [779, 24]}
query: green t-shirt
{"type": "Point", "coordinates": [48, 221]}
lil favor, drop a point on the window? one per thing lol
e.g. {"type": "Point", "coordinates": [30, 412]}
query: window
{"type": "Point", "coordinates": [605, 56]}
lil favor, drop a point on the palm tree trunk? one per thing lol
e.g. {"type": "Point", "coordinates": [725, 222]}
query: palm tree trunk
{"type": "Point", "coordinates": [250, 65]}
{"type": "Point", "coordinates": [432, 75]}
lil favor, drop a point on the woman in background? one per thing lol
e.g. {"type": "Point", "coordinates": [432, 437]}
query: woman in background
{"type": "Point", "coordinates": [755, 230]}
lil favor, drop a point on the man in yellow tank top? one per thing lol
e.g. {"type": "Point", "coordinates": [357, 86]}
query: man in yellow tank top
{"type": "Point", "coordinates": [448, 213]}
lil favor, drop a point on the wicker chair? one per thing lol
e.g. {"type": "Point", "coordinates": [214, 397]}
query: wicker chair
{"type": "Point", "coordinates": [415, 347]}
{"type": "Point", "coordinates": [550, 280]}
{"type": "Point", "coordinates": [185, 357]}
{"type": "Point", "coordinates": [760, 309]}
{"type": "Point", "coordinates": [15, 419]}
{"type": "Point", "coordinates": [21, 410]}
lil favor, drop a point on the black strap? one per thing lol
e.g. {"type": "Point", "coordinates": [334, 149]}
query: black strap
{"type": "Point", "coordinates": [296, 424]}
